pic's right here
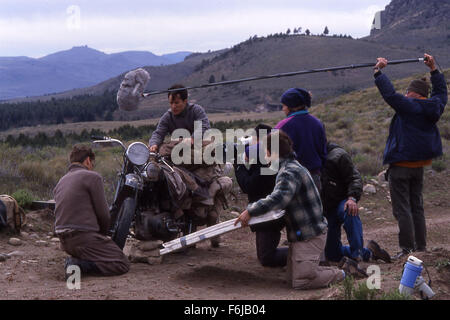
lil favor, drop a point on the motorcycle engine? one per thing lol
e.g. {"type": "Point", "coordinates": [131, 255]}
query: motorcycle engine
{"type": "Point", "coordinates": [154, 226]}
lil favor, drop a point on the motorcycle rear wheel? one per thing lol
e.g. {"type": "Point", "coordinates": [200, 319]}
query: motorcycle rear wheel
{"type": "Point", "coordinates": [124, 219]}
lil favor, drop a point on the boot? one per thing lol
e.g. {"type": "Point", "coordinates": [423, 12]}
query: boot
{"type": "Point", "coordinates": [351, 267]}
{"type": "Point", "coordinates": [86, 267]}
{"type": "Point", "coordinates": [378, 252]}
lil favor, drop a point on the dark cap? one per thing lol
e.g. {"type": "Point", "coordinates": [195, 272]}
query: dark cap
{"type": "Point", "coordinates": [296, 97]}
{"type": "Point", "coordinates": [419, 86]}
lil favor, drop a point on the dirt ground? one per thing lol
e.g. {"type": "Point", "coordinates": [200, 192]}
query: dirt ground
{"type": "Point", "coordinates": [228, 272]}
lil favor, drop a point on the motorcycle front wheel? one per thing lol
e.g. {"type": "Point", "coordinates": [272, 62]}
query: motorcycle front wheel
{"type": "Point", "coordinates": [124, 219]}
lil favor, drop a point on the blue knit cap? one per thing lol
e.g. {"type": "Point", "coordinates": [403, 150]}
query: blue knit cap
{"type": "Point", "coordinates": [296, 97]}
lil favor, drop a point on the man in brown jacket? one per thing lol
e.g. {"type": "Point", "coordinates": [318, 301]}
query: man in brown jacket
{"type": "Point", "coordinates": [82, 218]}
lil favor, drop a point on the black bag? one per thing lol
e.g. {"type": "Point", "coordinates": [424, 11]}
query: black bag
{"type": "Point", "coordinates": [3, 217]}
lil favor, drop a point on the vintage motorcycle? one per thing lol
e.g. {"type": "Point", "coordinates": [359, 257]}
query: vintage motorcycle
{"type": "Point", "coordinates": [143, 200]}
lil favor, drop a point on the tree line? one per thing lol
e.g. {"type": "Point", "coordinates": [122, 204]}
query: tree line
{"type": "Point", "coordinates": [125, 133]}
{"type": "Point", "coordinates": [55, 111]}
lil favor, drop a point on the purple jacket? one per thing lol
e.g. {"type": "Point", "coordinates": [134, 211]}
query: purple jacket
{"type": "Point", "coordinates": [308, 135]}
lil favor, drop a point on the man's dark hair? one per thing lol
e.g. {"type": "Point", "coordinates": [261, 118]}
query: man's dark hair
{"type": "Point", "coordinates": [182, 94]}
{"type": "Point", "coordinates": [80, 152]}
{"type": "Point", "coordinates": [285, 143]}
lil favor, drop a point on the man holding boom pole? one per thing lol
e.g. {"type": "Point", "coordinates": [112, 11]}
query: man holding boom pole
{"type": "Point", "coordinates": [413, 142]}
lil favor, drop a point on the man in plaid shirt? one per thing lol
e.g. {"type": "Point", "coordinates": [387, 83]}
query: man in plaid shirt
{"type": "Point", "coordinates": [296, 193]}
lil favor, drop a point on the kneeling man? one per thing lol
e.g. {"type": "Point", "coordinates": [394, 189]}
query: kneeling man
{"type": "Point", "coordinates": [82, 218]}
{"type": "Point", "coordinates": [296, 193]}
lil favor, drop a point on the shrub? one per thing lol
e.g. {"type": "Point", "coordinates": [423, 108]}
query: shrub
{"type": "Point", "coordinates": [362, 292]}
{"type": "Point", "coordinates": [347, 287]}
{"type": "Point", "coordinates": [443, 264]}
{"type": "Point", "coordinates": [368, 165]}
{"type": "Point", "coordinates": [439, 164]}
{"type": "Point", "coordinates": [395, 295]}
{"type": "Point", "coordinates": [23, 197]}
{"type": "Point", "coordinates": [36, 172]}
{"type": "Point", "coordinates": [345, 123]}
{"type": "Point", "coordinates": [350, 291]}
{"type": "Point", "coordinates": [445, 131]}
{"type": "Point", "coordinates": [368, 149]}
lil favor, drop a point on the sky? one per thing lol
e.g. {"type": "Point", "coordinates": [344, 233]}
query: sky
{"type": "Point", "coordinates": [35, 28]}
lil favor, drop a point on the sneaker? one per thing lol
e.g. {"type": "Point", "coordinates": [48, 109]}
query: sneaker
{"type": "Point", "coordinates": [377, 252]}
{"type": "Point", "coordinates": [351, 267]}
{"type": "Point", "coordinates": [421, 249]}
{"type": "Point", "coordinates": [401, 254]}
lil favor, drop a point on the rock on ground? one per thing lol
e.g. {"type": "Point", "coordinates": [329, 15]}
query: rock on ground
{"type": "Point", "coordinates": [150, 245]}
{"type": "Point", "coordinates": [370, 189]}
{"type": "Point", "coordinates": [16, 254]}
{"type": "Point", "coordinates": [15, 241]}
{"type": "Point", "coordinates": [41, 243]}
{"type": "Point", "coordinates": [136, 255]}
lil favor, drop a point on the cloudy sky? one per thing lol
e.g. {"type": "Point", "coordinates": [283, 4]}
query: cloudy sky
{"type": "Point", "coordinates": [38, 27]}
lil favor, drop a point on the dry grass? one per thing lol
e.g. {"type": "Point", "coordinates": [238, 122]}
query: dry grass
{"type": "Point", "coordinates": [110, 125]}
{"type": "Point", "coordinates": [358, 121]}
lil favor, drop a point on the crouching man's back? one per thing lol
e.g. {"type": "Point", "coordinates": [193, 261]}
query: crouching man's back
{"type": "Point", "coordinates": [82, 218]}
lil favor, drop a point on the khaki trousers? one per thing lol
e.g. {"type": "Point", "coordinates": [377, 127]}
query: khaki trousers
{"type": "Point", "coordinates": [95, 247]}
{"type": "Point", "coordinates": [303, 270]}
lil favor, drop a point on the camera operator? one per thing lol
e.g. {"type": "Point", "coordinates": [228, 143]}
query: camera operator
{"type": "Point", "coordinates": [257, 187]}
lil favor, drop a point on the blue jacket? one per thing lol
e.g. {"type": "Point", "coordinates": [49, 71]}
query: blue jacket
{"type": "Point", "coordinates": [309, 139]}
{"type": "Point", "coordinates": [413, 134]}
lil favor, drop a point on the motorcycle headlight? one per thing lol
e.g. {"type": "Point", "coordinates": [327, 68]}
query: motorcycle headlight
{"type": "Point", "coordinates": [138, 153]}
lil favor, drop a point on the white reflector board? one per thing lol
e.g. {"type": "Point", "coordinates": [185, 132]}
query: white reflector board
{"type": "Point", "coordinates": [215, 230]}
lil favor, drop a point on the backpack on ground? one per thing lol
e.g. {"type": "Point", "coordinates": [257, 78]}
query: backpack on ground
{"type": "Point", "coordinates": [12, 216]}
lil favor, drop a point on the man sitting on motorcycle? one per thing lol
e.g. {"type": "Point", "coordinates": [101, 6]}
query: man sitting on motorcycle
{"type": "Point", "coordinates": [82, 218]}
{"type": "Point", "coordinates": [181, 115]}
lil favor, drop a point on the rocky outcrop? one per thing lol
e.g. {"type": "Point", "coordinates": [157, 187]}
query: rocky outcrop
{"type": "Point", "coordinates": [417, 25]}
{"type": "Point", "coordinates": [415, 14]}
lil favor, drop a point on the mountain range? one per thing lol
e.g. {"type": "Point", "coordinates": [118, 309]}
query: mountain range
{"type": "Point", "coordinates": [75, 68]}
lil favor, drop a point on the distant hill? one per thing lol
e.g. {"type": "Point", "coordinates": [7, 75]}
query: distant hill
{"type": "Point", "coordinates": [284, 53]}
{"type": "Point", "coordinates": [291, 53]}
{"type": "Point", "coordinates": [90, 104]}
{"type": "Point", "coordinates": [424, 25]}
{"type": "Point", "coordinates": [75, 68]}
{"type": "Point", "coordinates": [260, 56]}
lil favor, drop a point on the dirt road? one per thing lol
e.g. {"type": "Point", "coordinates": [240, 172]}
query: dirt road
{"type": "Point", "coordinates": [228, 272]}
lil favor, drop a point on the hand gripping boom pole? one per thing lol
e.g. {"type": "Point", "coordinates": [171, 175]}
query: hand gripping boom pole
{"type": "Point", "coordinates": [287, 74]}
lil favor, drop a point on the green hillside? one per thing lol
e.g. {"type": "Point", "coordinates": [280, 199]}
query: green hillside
{"type": "Point", "coordinates": [358, 121]}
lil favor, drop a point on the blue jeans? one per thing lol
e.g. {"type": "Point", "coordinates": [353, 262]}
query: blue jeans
{"type": "Point", "coordinates": [334, 250]}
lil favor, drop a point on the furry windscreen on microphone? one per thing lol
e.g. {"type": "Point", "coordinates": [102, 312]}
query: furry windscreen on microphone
{"type": "Point", "coordinates": [131, 89]}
